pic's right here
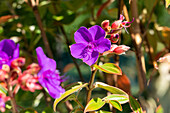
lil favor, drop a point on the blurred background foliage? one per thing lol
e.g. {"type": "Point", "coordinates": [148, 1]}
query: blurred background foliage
{"type": "Point", "coordinates": [60, 19]}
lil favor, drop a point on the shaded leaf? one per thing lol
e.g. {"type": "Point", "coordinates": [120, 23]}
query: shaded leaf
{"type": "Point", "coordinates": [120, 98]}
{"type": "Point", "coordinates": [28, 110]}
{"type": "Point", "coordinates": [124, 83]}
{"type": "Point", "coordinates": [94, 104]}
{"type": "Point", "coordinates": [109, 68]}
{"type": "Point", "coordinates": [135, 106]}
{"type": "Point", "coordinates": [5, 18]}
{"type": "Point", "coordinates": [68, 92]}
{"type": "Point", "coordinates": [111, 89]}
{"type": "Point", "coordinates": [115, 104]}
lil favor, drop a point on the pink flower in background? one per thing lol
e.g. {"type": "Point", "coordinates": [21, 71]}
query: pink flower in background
{"type": "Point", "coordinates": [28, 82]}
{"type": "Point", "coordinates": [3, 99]}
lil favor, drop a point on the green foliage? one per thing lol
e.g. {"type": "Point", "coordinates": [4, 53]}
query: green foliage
{"type": "Point", "coordinates": [109, 68]}
{"type": "Point", "coordinates": [69, 92]}
{"type": "Point", "coordinates": [94, 104]}
{"type": "Point", "coordinates": [135, 105]}
{"type": "Point", "coordinates": [3, 90]}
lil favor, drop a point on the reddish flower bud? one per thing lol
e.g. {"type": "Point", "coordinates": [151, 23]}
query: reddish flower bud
{"type": "Point", "coordinates": [19, 62]}
{"type": "Point", "coordinates": [3, 75]}
{"type": "Point", "coordinates": [6, 68]}
{"type": "Point", "coordinates": [33, 68]}
{"type": "Point", "coordinates": [119, 50]}
{"type": "Point", "coordinates": [114, 38]}
{"type": "Point", "coordinates": [28, 82]}
{"type": "Point", "coordinates": [105, 24]}
{"type": "Point", "coordinates": [116, 24]}
{"type": "Point", "coordinates": [121, 17]}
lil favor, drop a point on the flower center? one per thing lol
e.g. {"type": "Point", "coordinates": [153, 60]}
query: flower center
{"type": "Point", "coordinates": [91, 46]}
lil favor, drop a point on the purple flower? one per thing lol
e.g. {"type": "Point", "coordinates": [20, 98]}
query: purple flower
{"type": "Point", "coordinates": [89, 43]}
{"type": "Point", "coordinates": [48, 75]}
{"type": "Point", "coordinates": [8, 51]}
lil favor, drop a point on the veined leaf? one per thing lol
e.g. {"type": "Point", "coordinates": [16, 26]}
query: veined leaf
{"type": "Point", "coordinates": [94, 104]}
{"type": "Point", "coordinates": [3, 90]}
{"type": "Point", "coordinates": [115, 104]}
{"type": "Point", "coordinates": [135, 106]}
{"type": "Point", "coordinates": [111, 89]}
{"type": "Point", "coordinates": [109, 68]}
{"type": "Point", "coordinates": [120, 98]}
{"type": "Point", "coordinates": [68, 92]}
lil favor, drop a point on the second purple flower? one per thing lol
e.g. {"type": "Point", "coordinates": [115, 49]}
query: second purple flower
{"type": "Point", "coordinates": [89, 43]}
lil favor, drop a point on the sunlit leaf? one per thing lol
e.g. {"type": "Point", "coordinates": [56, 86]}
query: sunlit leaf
{"type": "Point", "coordinates": [159, 109]}
{"type": "Point", "coordinates": [3, 90]}
{"type": "Point", "coordinates": [167, 3]}
{"type": "Point", "coordinates": [69, 92]}
{"type": "Point", "coordinates": [135, 106]}
{"type": "Point", "coordinates": [115, 104]}
{"type": "Point", "coordinates": [101, 111]}
{"type": "Point", "coordinates": [109, 68]}
{"type": "Point", "coordinates": [120, 98]}
{"type": "Point", "coordinates": [111, 89]}
{"type": "Point", "coordinates": [94, 104]}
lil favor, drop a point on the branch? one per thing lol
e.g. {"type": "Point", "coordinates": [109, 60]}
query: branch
{"type": "Point", "coordinates": [137, 40]}
{"type": "Point", "coordinates": [39, 22]}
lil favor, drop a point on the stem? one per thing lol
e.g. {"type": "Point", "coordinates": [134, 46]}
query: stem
{"type": "Point", "coordinates": [137, 40]}
{"type": "Point", "coordinates": [75, 63]}
{"type": "Point", "coordinates": [76, 100]}
{"type": "Point", "coordinates": [39, 22]}
{"type": "Point", "coordinates": [10, 93]}
{"type": "Point", "coordinates": [91, 85]}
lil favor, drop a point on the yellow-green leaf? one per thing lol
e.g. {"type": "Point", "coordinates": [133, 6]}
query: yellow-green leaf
{"type": "Point", "coordinates": [109, 68]}
{"type": "Point", "coordinates": [68, 92]}
{"type": "Point", "coordinates": [135, 106]}
{"type": "Point", "coordinates": [101, 111]}
{"type": "Point", "coordinates": [94, 104]}
{"type": "Point", "coordinates": [3, 90]}
{"type": "Point", "coordinates": [111, 89]}
{"type": "Point", "coordinates": [120, 98]}
{"type": "Point", "coordinates": [167, 3]}
{"type": "Point", "coordinates": [115, 104]}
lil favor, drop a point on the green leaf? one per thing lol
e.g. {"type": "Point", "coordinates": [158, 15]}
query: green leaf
{"type": "Point", "coordinates": [3, 90]}
{"type": "Point", "coordinates": [120, 98]}
{"type": "Point", "coordinates": [115, 104]}
{"type": "Point", "coordinates": [109, 68]}
{"type": "Point", "coordinates": [71, 97]}
{"type": "Point", "coordinates": [101, 111]}
{"type": "Point", "coordinates": [111, 89]}
{"type": "Point", "coordinates": [135, 106]}
{"type": "Point", "coordinates": [69, 92]}
{"type": "Point", "coordinates": [94, 104]}
{"type": "Point", "coordinates": [167, 3]}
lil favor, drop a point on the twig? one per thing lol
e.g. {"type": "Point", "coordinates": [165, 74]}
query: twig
{"type": "Point", "coordinates": [149, 20]}
{"type": "Point", "coordinates": [107, 3]}
{"type": "Point", "coordinates": [67, 42]}
{"type": "Point", "coordinates": [91, 85]}
{"type": "Point", "coordinates": [10, 93]}
{"type": "Point", "coordinates": [43, 34]}
{"type": "Point", "coordinates": [137, 40]}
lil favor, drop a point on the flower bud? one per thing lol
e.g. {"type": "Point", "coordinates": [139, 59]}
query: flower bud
{"type": "Point", "coordinates": [105, 24]}
{"type": "Point", "coordinates": [114, 38]}
{"type": "Point", "coordinates": [116, 24]}
{"type": "Point", "coordinates": [119, 50]}
{"type": "Point", "coordinates": [19, 62]}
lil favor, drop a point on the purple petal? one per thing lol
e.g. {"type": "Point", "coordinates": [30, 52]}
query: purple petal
{"type": "Point", "coordinates": [77, 49]}
{"type": "Point", "coordinates": [82, 35]}
{"type": "Point", "coordinates": [3, 58]}
{"type": "Point", "coordinates": [97, 32]}
{"type": "Point", "coordinates": [103, 45]}
{"type": "Point", "coordinates": [93, 58]}
{"type": "Point", "coordinates": [54, 91]}
{"type": "Point", "coordinates": [8, 46]}
{"type": "Point", "coordinates": [44, 62]}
